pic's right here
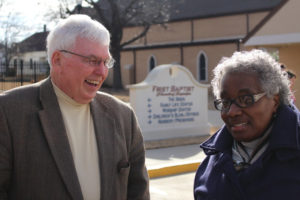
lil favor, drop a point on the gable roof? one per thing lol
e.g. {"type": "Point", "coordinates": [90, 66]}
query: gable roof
{"type": "Point", "coordinates": [280, 28]}
{"type": "Point", "coordinates": [193, 9]}
{"type": "Point", "coordinates": [189, 9]}
{"type": "Point", "coordinates": [180, 10]}
{"type": "Point", "coordinates": [35, 42]}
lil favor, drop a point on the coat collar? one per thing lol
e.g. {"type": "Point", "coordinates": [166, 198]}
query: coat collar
{"type": "Point", "coordinates": [285, 133]}
{"type": "Point", "coordinates": [104, 128]}
{"type": "Point", "coordinates": [55, 133]}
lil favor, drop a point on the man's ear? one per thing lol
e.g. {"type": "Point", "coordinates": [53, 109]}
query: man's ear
{"type": "Point", "coordinates": [56, 58]}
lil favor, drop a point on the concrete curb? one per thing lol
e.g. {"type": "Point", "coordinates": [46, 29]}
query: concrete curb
{"type": "Point", "coordinates": [161, 171]}
{"type": "Point", "coordinates": [173, 142]}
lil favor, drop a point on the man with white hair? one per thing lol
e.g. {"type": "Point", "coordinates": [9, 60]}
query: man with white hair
{"type": "Point", "coordinates": [63, 139]}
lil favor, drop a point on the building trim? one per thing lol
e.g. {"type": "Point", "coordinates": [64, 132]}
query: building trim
{"type": "Point", "coordinates": [134, 66]}
{"type": "Point", "coordinates": [192, 30]}
{"type": "Point", "coordinates": [264, 21]}
{"type": "Point", "coordinates": [288, 38]}
{"type": "Point", "coordinates": [185, 44]}
{"type": "Point", "coordinates": [181, 55]}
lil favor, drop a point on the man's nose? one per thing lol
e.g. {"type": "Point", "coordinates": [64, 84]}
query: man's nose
{"type": "Point", "coordinates": [101, 69]}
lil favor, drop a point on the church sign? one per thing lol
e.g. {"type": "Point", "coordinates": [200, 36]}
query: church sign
{"type": "Point", "coordinates": [170, 103]}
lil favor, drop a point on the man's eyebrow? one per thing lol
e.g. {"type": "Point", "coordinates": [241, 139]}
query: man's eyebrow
{"type": "Point", "coordinates": [98, 58]}
{"type": "Point", "coordinates": [91, 56]}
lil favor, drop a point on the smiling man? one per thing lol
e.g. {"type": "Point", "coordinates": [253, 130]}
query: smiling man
{"type": "Point", "coordinates": [63, 139]}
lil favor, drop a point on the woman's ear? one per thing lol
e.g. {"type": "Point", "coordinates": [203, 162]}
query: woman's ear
{"type": "Point", "coordinates": [276, 100]}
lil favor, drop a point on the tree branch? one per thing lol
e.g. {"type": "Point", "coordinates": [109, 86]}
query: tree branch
{"type": "Point", "coordinates": [1, 3]}
{"type": "Point", "coordinates": [140, 35]}
{"type": "Point", "coordinates": [100, 13]}
{"type": "Point", "coordinates": [129, 7]}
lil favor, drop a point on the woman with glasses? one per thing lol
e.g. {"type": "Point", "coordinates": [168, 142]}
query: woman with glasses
{"type": "Point", "coordinates": [256, 154]}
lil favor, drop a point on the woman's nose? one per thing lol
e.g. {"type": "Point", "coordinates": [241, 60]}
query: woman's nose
{"type": "Point", "coordinates": [233, 110]}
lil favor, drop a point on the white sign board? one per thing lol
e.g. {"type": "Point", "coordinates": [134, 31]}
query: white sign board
{"type": "Point", "coordinates": [170, 103]}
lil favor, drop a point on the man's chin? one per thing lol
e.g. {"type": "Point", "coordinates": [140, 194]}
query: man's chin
{"type": "Point", "coordinates": [86, 99]}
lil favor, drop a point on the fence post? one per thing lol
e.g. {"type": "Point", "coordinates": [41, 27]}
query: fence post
{"type": "Point", "coordinates": [34, 70]}
{"type": "Point", "coordinates": [21, 65]}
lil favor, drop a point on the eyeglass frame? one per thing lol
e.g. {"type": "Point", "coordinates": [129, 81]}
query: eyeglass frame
{"type": "Point", "coordinates": [255, 98]}
{"type": "Point", "coordinates": [109, 63]}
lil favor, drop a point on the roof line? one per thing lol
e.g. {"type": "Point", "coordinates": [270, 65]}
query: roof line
{"type": "Point", "coordinates": [219, 15]}
{"type": "Point", "coordinates": [178, 44]}
{"type": "Point", "coordinates": [264, 21]}
{"type": "Point", "coordinates": [207, 16]}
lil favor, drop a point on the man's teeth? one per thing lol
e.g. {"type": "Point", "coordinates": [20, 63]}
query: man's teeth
{"type": "Point", "coordinates": [93, 82]}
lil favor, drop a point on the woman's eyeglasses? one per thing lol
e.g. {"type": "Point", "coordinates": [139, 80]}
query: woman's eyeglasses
{"type": "Point", "coordinates": [243, 101]}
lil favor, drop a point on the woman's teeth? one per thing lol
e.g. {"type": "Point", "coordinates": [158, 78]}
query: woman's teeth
{"type": "Point", "coordinates": [241, 124]}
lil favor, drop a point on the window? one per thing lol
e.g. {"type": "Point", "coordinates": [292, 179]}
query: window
{"type": "Point", "coordinates": [202, 67]}
{"type": "Point", "coordinates": [151, 63]}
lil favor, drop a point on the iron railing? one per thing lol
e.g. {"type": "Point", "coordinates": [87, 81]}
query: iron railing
{"type": "Point", "coordinates": [22, 73]}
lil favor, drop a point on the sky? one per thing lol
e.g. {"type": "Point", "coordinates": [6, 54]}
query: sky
{"type": "Point", "coordinates": [30, 13]}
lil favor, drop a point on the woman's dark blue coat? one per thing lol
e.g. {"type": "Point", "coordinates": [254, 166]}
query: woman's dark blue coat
{"type": "Point", "coordinates": [275, 175]}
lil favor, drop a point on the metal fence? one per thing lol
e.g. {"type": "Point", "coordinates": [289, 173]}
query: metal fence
{"type": "Point", "coordinates": [21, 73]}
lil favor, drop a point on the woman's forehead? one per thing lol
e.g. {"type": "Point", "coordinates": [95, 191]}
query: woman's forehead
{"type": "Point", "coordinates": [240, 83]}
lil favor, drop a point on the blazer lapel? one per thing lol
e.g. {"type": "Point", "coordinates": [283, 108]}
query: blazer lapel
{"type": "Point", "coordinates": [54, 129]}
{"type": "Point", "coordinates": [104, 129]}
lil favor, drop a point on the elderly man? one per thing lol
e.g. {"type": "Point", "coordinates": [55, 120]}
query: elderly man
{"type": "Point", "coordinates": [61, 138]}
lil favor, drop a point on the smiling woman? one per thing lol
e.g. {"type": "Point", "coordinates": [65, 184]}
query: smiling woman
{"type": "Point", "coordinates": [248, 116]}
{"type": "Point", "coordinates": [243, 159]}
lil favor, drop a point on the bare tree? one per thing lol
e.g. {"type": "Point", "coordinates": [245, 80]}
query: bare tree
{"type": "Point", "coordinates": [1, 3]}
{"type": "Point", "coordinates": [115, 15]}
{"type": "Point", "coordinates": [11, 28]}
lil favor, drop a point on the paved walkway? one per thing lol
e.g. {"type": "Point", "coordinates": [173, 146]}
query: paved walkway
{"type": "Point", "coordinates": [175, 187]}
{"type": "Point", "coordinates": [173, 160]}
